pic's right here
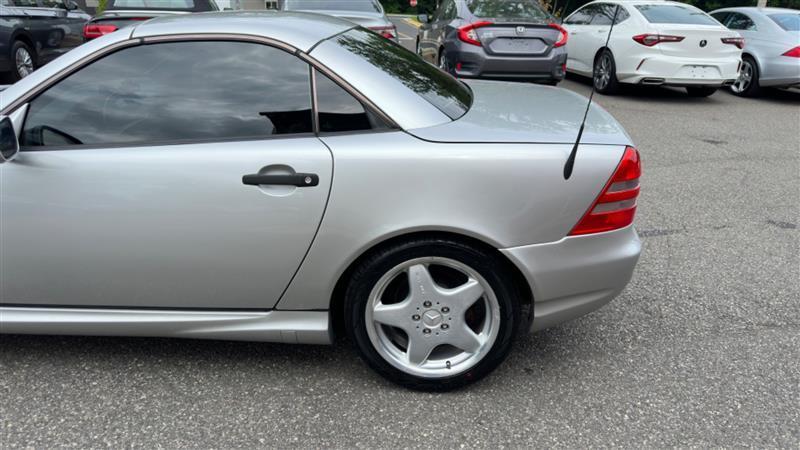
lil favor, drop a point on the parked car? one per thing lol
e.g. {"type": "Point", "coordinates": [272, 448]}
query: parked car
{"type": "Point", "coordinates": [148, 192]}
{"type": "Point", "coordinates": [652, 43]}
{"type": "Point", "coordinates": [771, 47]}
{"type": "Point", "coordinates": [367, 13]}
{"type": "Point", "coordinates": [125, 13]}
{"type": "Point", "coordinates": [497, 39]}
{"type": "Point", "coordinates": [34, 32]}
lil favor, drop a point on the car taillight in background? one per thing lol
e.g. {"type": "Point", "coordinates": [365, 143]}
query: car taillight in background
{"type": "Point", "coordinates": [650, 40]}
{"type": "Point", "coordinates": [793, 53]}
{"type": "Point", "coordinates": [616, 205]}
{"type": "Point", "coordinates": [562, 39]}
{"type": "Point", "coordinates": [737, 41]}
{"type": "Point", "coordinates": [468, 34]}
{"type": "Point", "coordinates": [93, 30]}
{"type": "Point", "coordinates": [389, 32]}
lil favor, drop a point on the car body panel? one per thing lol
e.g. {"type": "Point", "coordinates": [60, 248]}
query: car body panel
{"type": "Point", "coordinates": [479, 185]}
{"type": "Point", "coordinates": [766, 42]}
{"type": "Point", "coordinates": [154, 226]}
{"type": "Point", "coordinates": [700, 59]}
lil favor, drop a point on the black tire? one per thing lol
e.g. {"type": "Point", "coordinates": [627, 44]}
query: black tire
{"type": "Point", "coordinates": [753, 88]}
{"type": "Point", "coordinates": [441, 61]}
{"type": "Point", "coordinates": [609, 86]}
{"type": "Point", "coordinates": [16, 72]}
{"type": "Point", "coordinates": [702, 91]}
{"type": "Point", "coordinates": [375, 266]}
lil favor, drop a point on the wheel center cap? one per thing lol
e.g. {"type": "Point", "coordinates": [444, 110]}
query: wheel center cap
{"type": "Point", "coordinates": [432, 318]}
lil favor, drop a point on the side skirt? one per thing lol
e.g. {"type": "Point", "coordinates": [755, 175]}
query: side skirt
{"type": "Point", "coordinates": [290, 327]}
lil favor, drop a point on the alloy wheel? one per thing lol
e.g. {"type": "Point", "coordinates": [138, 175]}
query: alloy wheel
{"type": "Point", "coordinates": [745, 79]}
{"type": "Point", "coordinates": [442, 61]}
{"type": "Point", "coordinates": [602, 71]}
{"type": "Point", "coordinates": [432, 317]}
{"type": "Point", "coordinates": [24, 62]}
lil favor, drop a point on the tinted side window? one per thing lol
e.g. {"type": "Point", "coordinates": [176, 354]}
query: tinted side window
{"type": "Point", "coordinates": [581, 17]}
{"type": "Point", "coordinates": [339, 111]}
{"type": "Point", "coordinates": [175, 91]}
{"type": "Point", "coordinates": [52, 3]}
{"type": "Point", "coordinates": [739, 21]}
{"type": "Point", "coordinates": [26, 3]}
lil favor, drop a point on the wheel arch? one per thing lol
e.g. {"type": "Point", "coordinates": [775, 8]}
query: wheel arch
{"type": "Point", "coordinates": [23, 36]}
{"type": "Point", "coordinates": [755, 58]}
{"type": "Point", "coordinates": [337, 296]}
{"type": "Point", "coordinates": [599, 51]}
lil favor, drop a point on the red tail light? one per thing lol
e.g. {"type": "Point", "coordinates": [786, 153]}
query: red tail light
{"type": "Point", "coordinates": [616, 205]}
{"type": "Point", "coordinates": [468, 34]}
{"type": "Point", "coordinates": [794, 53]}
{"type": "Point", "coordinates": [562, 40]}
{"type": "Point", "coordinates": [650, 40]}
{"type": "Point", "coordinates": [737, 41]}
{"type": "Point", "coordinates": [91, 31]}
{"type": "Point", "coordinates": [389, 32]}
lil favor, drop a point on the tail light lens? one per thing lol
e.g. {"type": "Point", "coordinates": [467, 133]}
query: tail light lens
{"type": "Point", "coordinates": [616, 205]}
{"type": "Point", "coordinates": [650, 40]}
{"type": "Point", "coordinates": [562, 39]}
{"type": "Point", "coordinates": [91, 31]}
{"type": "Point", "coordinates": [468, 34]}
{"type": "Point", "coordinates": [794, 53]}
{"type": "Point", "coordinates": [389, 32]}
{"type": "Point", "coordinates": [737, 41]}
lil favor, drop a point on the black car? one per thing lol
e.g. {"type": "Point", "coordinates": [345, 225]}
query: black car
{"type": "Point", "coordinates": [34, 32]}
{"type": "Point", "coordinates": [124, 13]}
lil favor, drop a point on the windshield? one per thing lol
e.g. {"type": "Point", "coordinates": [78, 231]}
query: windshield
{"type": "Point", "coordinates": [437, 87]}
{"type": "Point", "coordinates": [178, 5]}
{"type": "Point", "coordinates": [787, 21]}
{"type": "Point", "coordinates": [508, 9]}
{"type": "Point", "coordinates": [329, 5]}
{"type": "Point", "coordinates": [675, 14]}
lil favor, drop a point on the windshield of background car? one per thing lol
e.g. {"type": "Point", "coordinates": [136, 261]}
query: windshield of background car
{"type": "Point", "coordinates": [437, 87]}
{"type": "Point", "coordinates": [528, 10]}
{"type": "Point", "coordinates": [787, 21]}
{"type": "Point", "coordinates": [675, 14]}
{"type": "Point", "coordinates": [332, 5]}
{"type": "Point", "coordinates": [178, 5]}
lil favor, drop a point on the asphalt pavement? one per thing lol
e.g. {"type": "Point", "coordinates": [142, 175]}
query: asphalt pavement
{"type": "Point", "coordinates": [702, 349]}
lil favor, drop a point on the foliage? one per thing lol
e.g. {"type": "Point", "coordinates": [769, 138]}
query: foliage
{"type": "Point", "coordinates": [567, 6]}
{"type": "Point", "coordinates": [101, 6]}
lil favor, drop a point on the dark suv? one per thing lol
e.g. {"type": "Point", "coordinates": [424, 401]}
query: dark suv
{"type": "Point", "coordinates": [507, 39]}
{"type": "Point", "coordinates": [34, 32]}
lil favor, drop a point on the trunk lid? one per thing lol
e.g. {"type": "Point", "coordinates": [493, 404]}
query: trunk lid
{"type": "Point", "coordinates": [514, 38]}
{"type": "Point", "coordinates": [699, 41]}
{"type": "Point", "coordinates": [526, 113]}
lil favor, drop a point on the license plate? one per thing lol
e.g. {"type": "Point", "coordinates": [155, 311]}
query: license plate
{"type": "Point", "coordinates": [701, 71]}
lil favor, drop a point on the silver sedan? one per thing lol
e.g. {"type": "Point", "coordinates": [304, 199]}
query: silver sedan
{"type": "Point", "coordinates": [285, 177]}
{"type": "Point", "coordinates": [771, 56]}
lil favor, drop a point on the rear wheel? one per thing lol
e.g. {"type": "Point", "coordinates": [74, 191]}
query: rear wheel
{"type": "Point", "coordinates": [442, 61]}
{"type": "Point", "coordinates": [24, 60]}
{"type": "Point", "coordinates": [604, 75]}
{"type": "Point", "coordinates": [432, 314]}
{"type": "Point", "coordinates": [702, 91]}
{"type": "Point", "coordinates": [747, 84]}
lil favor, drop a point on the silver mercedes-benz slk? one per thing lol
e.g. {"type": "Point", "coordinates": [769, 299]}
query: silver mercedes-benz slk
{"type": "Point", "coordinates": [284, 176]}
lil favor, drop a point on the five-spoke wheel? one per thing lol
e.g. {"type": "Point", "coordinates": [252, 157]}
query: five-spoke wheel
{"type": "Point", "coordinates": [604, 75]}
{"type": "Point", "coordinates": [432, 314]}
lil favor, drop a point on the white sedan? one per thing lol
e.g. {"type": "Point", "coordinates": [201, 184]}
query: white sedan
{"type": "Point", "coordinates": [652, 42]}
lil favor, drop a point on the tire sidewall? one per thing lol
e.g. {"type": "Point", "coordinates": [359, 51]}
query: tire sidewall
{"type": "Point", "coordinates": [374, 267]}
{"type": "Point", "coordinates": [754, 87]}
{"type": "Point", "coordinates": [613, 83]}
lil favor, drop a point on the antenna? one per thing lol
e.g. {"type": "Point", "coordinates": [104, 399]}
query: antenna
{"type": "Point", "coordinates": [570, 164]}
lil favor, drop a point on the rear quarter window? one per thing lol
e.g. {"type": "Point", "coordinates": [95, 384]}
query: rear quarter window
{"type": "Point", "coordinates": [675, 14]}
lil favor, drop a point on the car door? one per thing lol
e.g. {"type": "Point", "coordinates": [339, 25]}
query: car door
{"type": "Point", "coordinates": [579, 45]}
{"type": "Point", "coordinates": [57, 37]}
{"type": "Point", "coordinates": [169, 175]}
{"type": "Point", "coordinates": [743, 24]}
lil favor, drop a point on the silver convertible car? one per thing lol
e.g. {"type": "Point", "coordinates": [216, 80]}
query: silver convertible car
{"type": "Point", "coordinates": [285, 176]}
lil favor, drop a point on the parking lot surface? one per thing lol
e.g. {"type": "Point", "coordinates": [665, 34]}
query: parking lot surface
{"type": "Point", "coordinates": [701, 349]}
